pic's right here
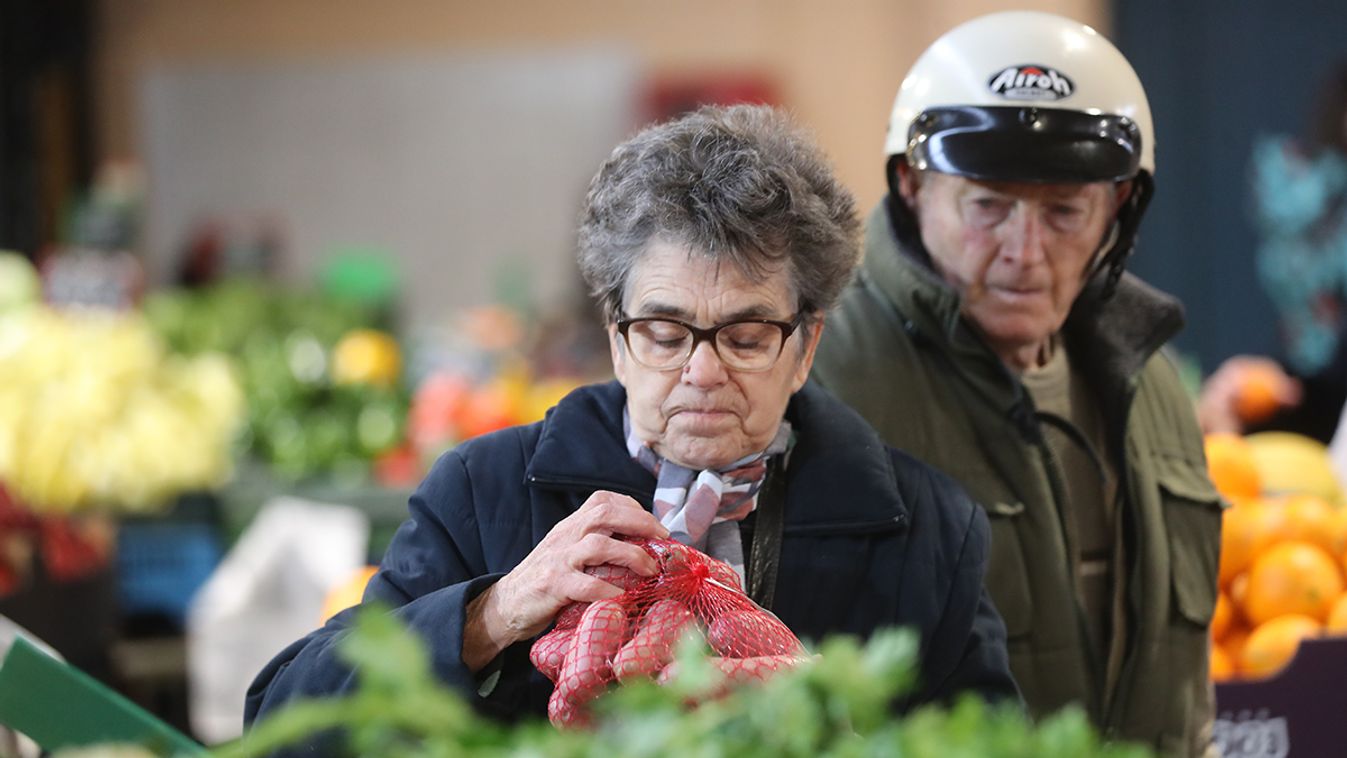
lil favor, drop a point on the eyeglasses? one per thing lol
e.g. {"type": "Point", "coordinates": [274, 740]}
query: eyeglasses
{"type": "Point", "coordinates": [664, 344]}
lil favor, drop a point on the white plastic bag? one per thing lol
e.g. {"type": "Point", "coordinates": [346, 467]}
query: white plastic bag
{"type": "Point", "coordinates": [1337, 449]}
{"type": "Point", "coordinates": [267, 592]}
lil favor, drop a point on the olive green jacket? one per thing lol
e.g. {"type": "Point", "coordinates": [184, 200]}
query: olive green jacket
{"type": "Point", "coordinates": [898, 351]}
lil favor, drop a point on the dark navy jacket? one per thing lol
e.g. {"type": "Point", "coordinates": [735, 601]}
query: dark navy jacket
{"type": "Point", "coordinates": [872, 539]}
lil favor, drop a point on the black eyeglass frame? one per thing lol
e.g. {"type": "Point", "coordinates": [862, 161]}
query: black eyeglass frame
{"type": "Point", "coordinates": [700, 335]}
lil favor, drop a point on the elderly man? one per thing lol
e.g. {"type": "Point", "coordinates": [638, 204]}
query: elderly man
{"type": "Point", "coordinates": [715, 245]}
{"type": "Point", "coordinates": [993, 333]}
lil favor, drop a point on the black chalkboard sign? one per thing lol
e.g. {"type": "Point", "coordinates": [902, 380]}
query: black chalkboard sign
{"type": "Point", "coordinates": [1299, 713]}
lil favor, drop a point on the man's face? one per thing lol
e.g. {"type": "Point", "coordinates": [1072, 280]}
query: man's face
{"type": "Point", "coordinates": [704, 414]}
{"type": "Point", "coordinates": [1017, 253]}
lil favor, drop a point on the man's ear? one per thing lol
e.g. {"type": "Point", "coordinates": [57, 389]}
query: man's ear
{"type": "Point", "coordinates": [909, 181]}
{"type": "Point", "coordinates": [1121, 191]}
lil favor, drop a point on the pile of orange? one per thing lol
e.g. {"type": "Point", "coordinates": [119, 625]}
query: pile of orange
{"type": "Point", "coordinates": [1283, 572]}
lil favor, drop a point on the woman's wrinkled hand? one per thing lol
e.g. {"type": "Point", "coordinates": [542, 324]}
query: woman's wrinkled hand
{"type": "Point", "coordinates": [552, 575]}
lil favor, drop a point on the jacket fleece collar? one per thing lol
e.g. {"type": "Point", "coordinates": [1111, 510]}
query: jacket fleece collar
{"type": "Point", "coordinates": [1113, 337]}
{"type": "Point", "coordinates": [839, 472]}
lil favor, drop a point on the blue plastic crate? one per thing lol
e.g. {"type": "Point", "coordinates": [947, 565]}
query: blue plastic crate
{"type": "Point", "coordinates": [162, 564]}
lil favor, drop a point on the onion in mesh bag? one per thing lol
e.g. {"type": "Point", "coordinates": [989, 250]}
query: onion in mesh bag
{"type": "Point", "coordinates": [636, 633]}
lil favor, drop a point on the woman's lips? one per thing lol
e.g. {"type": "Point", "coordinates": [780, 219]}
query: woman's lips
{"type": "Point", "coordinates": [701, 418]}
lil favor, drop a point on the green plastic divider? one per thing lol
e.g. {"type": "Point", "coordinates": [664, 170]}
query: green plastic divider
{"type": "Point", "coordinates": [59, 706]}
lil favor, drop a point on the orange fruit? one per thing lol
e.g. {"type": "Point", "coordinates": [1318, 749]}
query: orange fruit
{"type": "Point", "coordinates": [1247, 529]}
{"type": "Point", "coordinates": [347, 594]}
{"type": "Point", "coordinates": [1292, 578]}
{"type": "Point", "coordinates": [1230, 463]}
{"type": "Point", "coordinates": [1221, 666]}
{"type": "Point", "coordinates": [1221, 618]}
{"type": "Point", "coordinates": [1336, 622]}
{"type": "Point", "coordinates": [1259, 393]}
{"type": "Point", "coordinates": [1235, 639]}
{"type": "Point", "coordinates": [1239, 591]}
{"type": "Point", "coordinates": [1307, 518]}
{"type": "Point", "coordinates": [1272, 645]}
{"type": "Point", "coordinates": [1337, 616]}
{"type": "Point", "coordinates": [1337, 528]}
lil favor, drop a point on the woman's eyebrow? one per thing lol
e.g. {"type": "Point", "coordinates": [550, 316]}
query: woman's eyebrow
{"type": "Point", "coordinates": [656, 308]}
{"type": "Point", "coordinates": [760, 310]}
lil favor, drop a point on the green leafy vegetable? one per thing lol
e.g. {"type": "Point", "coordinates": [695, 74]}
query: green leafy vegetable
{"type": "Point", "coordinates": [838, 704]}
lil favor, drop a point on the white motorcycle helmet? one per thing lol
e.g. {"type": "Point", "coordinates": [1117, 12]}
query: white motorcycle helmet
{"type": "Point", "coordinates": [1028, 97]}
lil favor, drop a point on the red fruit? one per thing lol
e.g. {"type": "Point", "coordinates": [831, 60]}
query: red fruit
{"type": "Point", "coordinates": [739, 671]}
{"type": "Point", "coordinates": [588, 666]}
{"type": "Point", "coordinates": [564, 713]}
{"type": "Point", "coordinates": [569, 617]}
{"type": "Point", "coordinates": [755, 669]}
{"type": "Point", "coordinates": [750, 633]}
{"type": "Point", "coordinates": [489, 408]}
{"type": "Point", "coordinates": [725, 574]}
{"type": "Point", "coordinates": [549, 652]}
{"type": "Point", "coordinates": [619, 576]}
{"type": "Point", "coordinates": [433, 417]}
{"type": "Point", "coordinates": [652, 646]}
{"type": "Point", "coordinates": [399, 467]}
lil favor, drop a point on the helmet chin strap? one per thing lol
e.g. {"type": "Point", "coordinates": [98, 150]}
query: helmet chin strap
{"type": "Point", "coordinates": [1123, 234]}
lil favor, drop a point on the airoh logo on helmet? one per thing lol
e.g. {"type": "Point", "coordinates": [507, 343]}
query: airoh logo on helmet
{"type": "Point", "coordinates": [1029, 81]}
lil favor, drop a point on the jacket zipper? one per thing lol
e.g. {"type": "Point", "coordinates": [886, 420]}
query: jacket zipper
{"type": "Point", "coordinates": [1024, 419]}
{"type": "Point", "coordinates": [1053, 470]}
{"type": "Point", "coordinates": [1126, 673]}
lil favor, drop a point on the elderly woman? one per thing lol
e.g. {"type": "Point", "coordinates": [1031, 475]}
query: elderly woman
{"type": "Point", "coordinates": [715, 243]}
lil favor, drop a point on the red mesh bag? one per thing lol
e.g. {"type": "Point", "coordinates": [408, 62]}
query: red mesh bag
{"type": "Point", "coordinates": [635, 635]}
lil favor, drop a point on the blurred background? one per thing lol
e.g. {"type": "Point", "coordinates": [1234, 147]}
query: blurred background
{"type": "Point", "coordinates": [269, 258]}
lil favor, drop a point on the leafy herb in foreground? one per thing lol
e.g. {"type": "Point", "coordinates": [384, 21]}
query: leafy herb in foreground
{"type": "Point", "coordinates": [838, 704]}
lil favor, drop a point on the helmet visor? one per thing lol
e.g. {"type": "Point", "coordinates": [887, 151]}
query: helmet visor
{"type": "Point", "coordinates": [1025, 144]}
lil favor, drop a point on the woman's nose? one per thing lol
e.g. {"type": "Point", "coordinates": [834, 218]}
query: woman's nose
{"type": "Point", "coordinates": [704, 368]}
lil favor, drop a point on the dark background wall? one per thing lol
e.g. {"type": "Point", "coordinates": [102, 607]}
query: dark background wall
{"type": "Point", "coordinates": [1218, 73]}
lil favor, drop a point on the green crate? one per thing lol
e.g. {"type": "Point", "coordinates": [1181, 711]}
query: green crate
{"type": "Point", "coordinates": [58, 706]}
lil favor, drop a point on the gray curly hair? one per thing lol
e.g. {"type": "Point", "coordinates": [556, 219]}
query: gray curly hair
{"type": "Point", "coordinates": [738, 184]}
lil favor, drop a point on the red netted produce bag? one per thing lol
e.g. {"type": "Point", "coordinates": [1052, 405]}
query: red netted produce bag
{"type": "Point", "coordinates": [635, 635]}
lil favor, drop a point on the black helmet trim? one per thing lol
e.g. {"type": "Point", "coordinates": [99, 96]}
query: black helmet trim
{"type": "Point", "coordinates": [1025, 143]}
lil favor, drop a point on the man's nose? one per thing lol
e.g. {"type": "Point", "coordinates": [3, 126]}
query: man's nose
{"type": "Point", "coordinates": [704, 368]}
{"type": "Point", "coordinates": [1023, 241]}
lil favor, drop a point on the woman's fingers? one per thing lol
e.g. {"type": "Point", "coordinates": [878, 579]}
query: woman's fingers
{"type": "Point", "coordinates": [611, 513]}
{"type": "Point", "coordinates": [597, 549]}
{"type": "Point", "coordinates": [553, 573]}
{"type": "Point", "coordinates": [584, 588]}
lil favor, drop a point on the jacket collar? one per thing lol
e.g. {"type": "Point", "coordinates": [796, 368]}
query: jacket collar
{"type": "Point", "coordinates": [1113, 338]}
{"type": "Point", "coordinates": [839, 472]}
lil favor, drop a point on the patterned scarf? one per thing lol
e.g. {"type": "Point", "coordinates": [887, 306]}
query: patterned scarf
{"type": "Point", "coordinates": [703, 508]}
